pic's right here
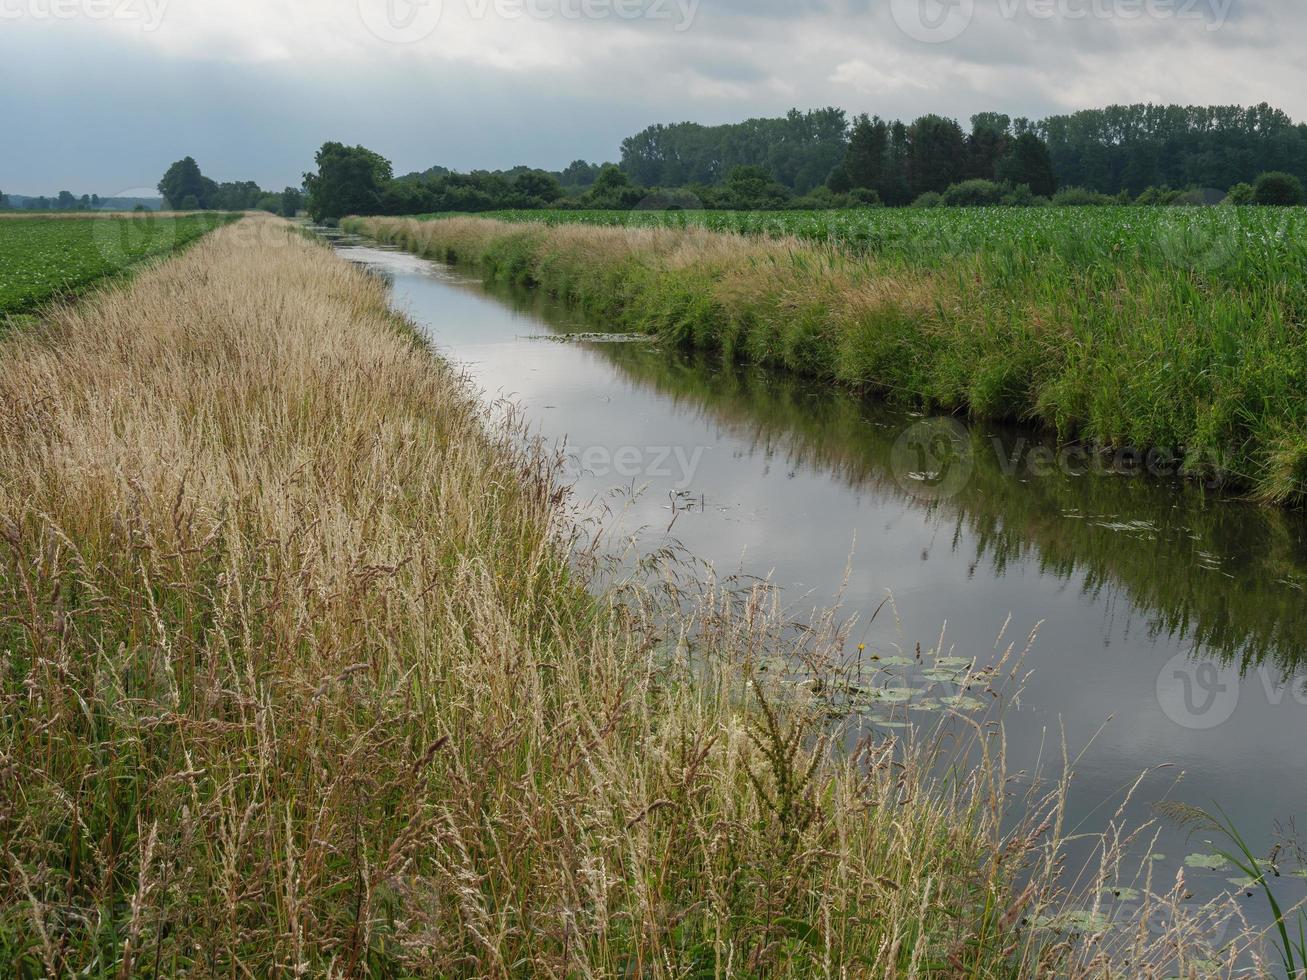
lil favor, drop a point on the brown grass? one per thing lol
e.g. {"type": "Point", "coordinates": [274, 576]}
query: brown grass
{"type": "Point", "coordinates": [300, 677]}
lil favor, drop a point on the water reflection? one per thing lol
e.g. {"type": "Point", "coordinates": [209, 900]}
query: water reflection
{"type": "Point", "coordinates": [1229, 580]}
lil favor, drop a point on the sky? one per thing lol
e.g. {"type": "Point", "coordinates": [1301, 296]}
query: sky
{"type": "Point", "coordinates": [102, 95]}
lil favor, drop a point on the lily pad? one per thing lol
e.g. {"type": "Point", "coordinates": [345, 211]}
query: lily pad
{"type": "Point", "coordinates": [895, 695]}
{"type": "Point", "coordinates": [1121, 892]}
{"type": "Point", "coordinates": [953, 663]}
{"type": "Point", "coordinates": [1212, 862]}
{"type": "Point", "coordinates": [938, 674]}
{"type": "Point", "coordinates": [962, 703]}
{"type": "Point", "coordinates": [893, 661]}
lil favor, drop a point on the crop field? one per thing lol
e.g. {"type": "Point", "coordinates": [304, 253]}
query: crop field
{"type": "Point", "coordinates": [1244, 246]}
{"type": "Point", "coordinates": [43, 258]}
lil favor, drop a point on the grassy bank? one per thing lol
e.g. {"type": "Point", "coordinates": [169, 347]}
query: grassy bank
{"type": "Point", "coordinates": [1202, 357]}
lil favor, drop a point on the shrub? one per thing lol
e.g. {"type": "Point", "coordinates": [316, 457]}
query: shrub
{"type": "Point", "coordinates": [1079, 197]}
{"type": "Point", "coordinates": [930, 199]}
{"type": "Point", "coordinates": [864, 197]}
{"type": "Point", "coordinates": [1022, 196]}
{"type": "Point", "coordinates": [1278, 189]}
{"type": "Point", "coordinates": [973, 193]}
{"type": "Point", "coordinates": [1242, 194]}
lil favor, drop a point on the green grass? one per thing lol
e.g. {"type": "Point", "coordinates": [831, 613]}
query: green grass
{"type": "Point", "coordinates": [1179, 330]}
{"type": "Point", "coordinates": [47, 258]}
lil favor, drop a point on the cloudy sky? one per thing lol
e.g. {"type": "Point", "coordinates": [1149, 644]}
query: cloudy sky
{"type": "Point", "coordinates": [101, 95]}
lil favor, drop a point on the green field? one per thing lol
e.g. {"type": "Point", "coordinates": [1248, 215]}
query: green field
{"type": "Point", "coordinates": [1244, 247]}
{"type": "Point", "coordinates": [46, 258]}
{"type": "Point", "coordinates": [1178, 330]}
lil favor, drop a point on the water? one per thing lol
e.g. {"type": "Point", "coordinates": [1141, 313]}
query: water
{"type": "Point", "coordinates": [1174, 623]}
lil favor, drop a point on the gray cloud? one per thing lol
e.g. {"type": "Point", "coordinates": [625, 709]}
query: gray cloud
{"type": "Point", "coordinates": [251, 89]}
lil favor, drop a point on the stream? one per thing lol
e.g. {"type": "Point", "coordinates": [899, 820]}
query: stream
{"type": "Point", "coordinates": [1172, 623]}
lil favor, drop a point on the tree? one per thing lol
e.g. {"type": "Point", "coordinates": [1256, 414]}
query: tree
{"type": "Point", "coordinates": [4, 201]}
{"type": "Point", "coordinates": [183, 182]}
{"type": "Point", "coordinates": [350, 180]}
{"type": "Point", "coordinates": [578, 173]}
{"type": "Point", "coordinates": [292, 201]}
{"type": "Point", "coordinates": [1277, 188]}
{"type": "Point", "coordinates": [535, 185]}
{"type": "Point", "coordinates": [66, 201]}
{"type": "Point", "coordinates": [1028, 162]}
{"type": "Point", "coordinates": [839, 181]}
{"type": "Point", "coordinates": [753, 189]}
{"type": "Point", "coordinates": [937, 154]}
{"type": "Point", "coordinates": [988, 143]}
{"type": "Point", "coordinates": [865, 161]}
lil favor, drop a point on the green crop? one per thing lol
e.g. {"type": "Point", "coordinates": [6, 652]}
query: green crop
{"type": "Point", "coordinates": [43, 258]}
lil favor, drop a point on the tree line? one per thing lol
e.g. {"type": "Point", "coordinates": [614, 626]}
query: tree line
{"type": "Point", "coordinates": [1162, 155]}
{"type": "Point", "coordinates": [185, 188]}
{"type": "Point", "coordinates": [1117, 151]}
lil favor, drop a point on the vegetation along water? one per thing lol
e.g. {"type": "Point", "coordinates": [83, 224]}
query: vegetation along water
{"type": "Point", "coordinates": [1175, 331]}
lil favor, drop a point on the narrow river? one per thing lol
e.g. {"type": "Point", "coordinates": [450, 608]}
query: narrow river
{"type": "Point", "coordinates": [1174, 624]}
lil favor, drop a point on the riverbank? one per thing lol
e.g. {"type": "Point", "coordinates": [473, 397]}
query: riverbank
{"type": "Point", "coordinates": [301, 674]}
{"type": "Point", "coordinates": [1173, 360]}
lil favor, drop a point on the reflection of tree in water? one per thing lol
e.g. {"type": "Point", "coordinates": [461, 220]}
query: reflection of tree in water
{"type": "Point", "coordinates": [1229, 578]}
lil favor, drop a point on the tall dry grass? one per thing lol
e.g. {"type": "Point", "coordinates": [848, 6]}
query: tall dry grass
{"type": "Point", "coordinates": [299, 678]}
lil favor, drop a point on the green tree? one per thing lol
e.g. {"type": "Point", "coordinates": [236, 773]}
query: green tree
{"type": "Point", "coordinates": [865, 160]}
{"type": "Point", "coordinates": [292, 202]}
{"type": "Point", "coordinates": [839, 181]}
{"type": "Point", "coordinates": [937, 154]}
{"type": "Point", "coordinates": [349, 180]}
{"type": "Point", "coordinates": [988, 143]}
{"type": "Point", "coordinates": [752, 188]}
{"type": "Point", "coordinates": [537, 185]}
{"type": "Point", "coordinates": [184, 183]}
{"type": "Point", "coordinates": [1028, 162]}
{"type": "Point", "coordinates": [578, 173]}
{"type": "Point", "coordinates": [4, 201]}
{"type": "Point", "coordinates": [1277, 188]}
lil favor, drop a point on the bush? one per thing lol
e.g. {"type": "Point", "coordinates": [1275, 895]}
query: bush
{"type": "Point", "coordinates": [973, 193]}
{"type": "Point", "coordinates": [1071, 197]}
{"type": "Point", "coordinates": [1241, 194]}
{"type": "Point", "coordinates": [864, 197]}
{"type": "Point", "coordinates": [1278, 189]}
{"type": "Point", "coordinates": [930, 199]}
{"type": "Point", "coordinates": [1022, 196]}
